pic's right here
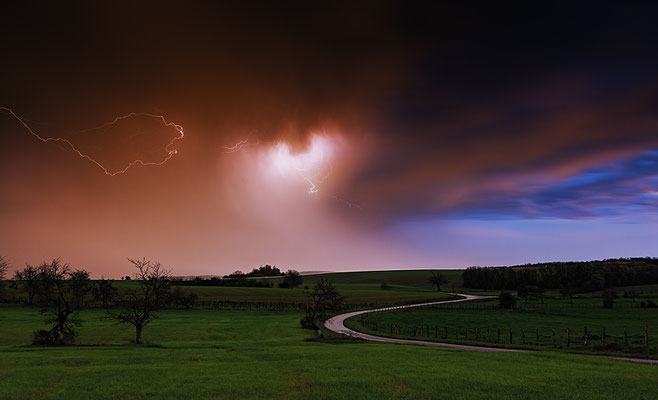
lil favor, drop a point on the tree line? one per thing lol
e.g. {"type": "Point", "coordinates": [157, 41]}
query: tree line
{"type": "Point", "coordinates": [571, 277]}
{"type": "Point", "coordinates": [62, 293]}
{"type": "Point", "coordinates": [291, 279]}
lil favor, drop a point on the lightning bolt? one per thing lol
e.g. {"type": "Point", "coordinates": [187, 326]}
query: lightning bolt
{"type": "Point", "coordinates": [240, 145]}
{"type": "Point", "coordinates": [74, 149]}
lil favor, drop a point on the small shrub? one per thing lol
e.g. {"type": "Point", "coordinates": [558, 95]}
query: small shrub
{"type": "Point", "coordinates": [506, 300]}
{"type": "Point", "coordinates": [609, 297]}
{"type": "Point", "coordinates": [284, 285]}
{"type": "Point", "coordinates": [43, 337]}
{"type": "Point", "coordinates": [648, 304]}
{"type": "Point", "coordinates": [385, 286]}
{"type": "Point", "coordinates": [308, 323]}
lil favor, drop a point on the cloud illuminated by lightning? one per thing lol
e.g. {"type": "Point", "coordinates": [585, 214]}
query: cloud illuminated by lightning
{"type": "Point", "coordinates": [74, 149]}
{"type": "Point", "coordinates": [312, 165]}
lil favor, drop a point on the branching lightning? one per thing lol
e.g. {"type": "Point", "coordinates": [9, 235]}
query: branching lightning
{"type": "Point", "coordinates": [240, 145]}
{"type": "Point", "coordinates": [71, 147]}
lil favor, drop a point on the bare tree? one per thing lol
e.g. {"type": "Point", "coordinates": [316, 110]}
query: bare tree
{"type": "Point", "coordinates": [141, 304]}
{"type": "Point", "coordinates": [4, 266]}
{"type": "Point", "coordinates": [61, 294]}
{"type": "Point", "coordinates": [27, 279]}
{"type": "Point", "coordinates": [324, 299]}
{"type": "Point", "coordinates": [438, 279]}
{"type": "Point", "coordinates": [104, 292]}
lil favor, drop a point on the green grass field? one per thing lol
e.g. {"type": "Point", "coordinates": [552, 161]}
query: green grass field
{"type": "Point", "coordinates": [361, 289]}
{"type": "Point", "coordinates": [205, 354]}
{"type": "Point", "coordinates": [557, 313]}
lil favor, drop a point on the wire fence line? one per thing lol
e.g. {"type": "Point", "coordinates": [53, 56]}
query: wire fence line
{"type": "Point", "coordinates": [617, 338]}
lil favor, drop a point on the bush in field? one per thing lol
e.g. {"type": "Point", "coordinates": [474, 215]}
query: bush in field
{"type": "Point", "coordinates": [61, 293]}
{"type": "Point", "coordinates": [531, 292]}
{"type": "Point", "coordinates": [293, 279]}
{"type": "Point", "coordinates": [182, 298]}
{"type": "Point", "coordinates": [609, 297]}
{"type": "Point", "coordinates": [284, 285]}
{"type": "Point", "coordinates": [104, 292]}
{"type": "Point", "coordinates": [506, 300]}
{"type": "Point", "coordinates": [568, 291]}
{"type": "Point", "coordinates": [631, 294]}
{"type": "Point", "coordinates": [141, 305]}
{"type": "Point", "coordinates": [385, 286]}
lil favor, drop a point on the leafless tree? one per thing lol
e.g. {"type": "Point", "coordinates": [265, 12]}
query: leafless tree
{"type": "Point", "coordinates": [324, 298]}
{"type": "Point", "coordinates": [141, 305]}
{"type": "Point", "coordinates": [438, 279]}
{"type": "Point", "coordinates": [27, 279]}
{"type": "Point", "coordinates": [61, 293]}
{"type": "Point", "coordinates": [4, 267]}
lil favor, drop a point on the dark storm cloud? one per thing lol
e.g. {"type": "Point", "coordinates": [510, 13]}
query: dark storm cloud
{"type": "Point", "coordinates": [538, 93]}
{"type": "Point", "coordinates": [457, 97]}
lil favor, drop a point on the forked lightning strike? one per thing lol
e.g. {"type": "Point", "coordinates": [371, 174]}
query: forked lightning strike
{"type": "Point", "coordinates": [240, 145]}
{"type": "Point", "coordinates": [170, 152]}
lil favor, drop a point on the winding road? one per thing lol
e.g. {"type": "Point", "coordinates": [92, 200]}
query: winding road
{"type": "Point", "coordinates": [336, 324]}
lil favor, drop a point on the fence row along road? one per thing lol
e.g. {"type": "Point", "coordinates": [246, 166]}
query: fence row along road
{"type": "Point", "coordinates": [337, 324]}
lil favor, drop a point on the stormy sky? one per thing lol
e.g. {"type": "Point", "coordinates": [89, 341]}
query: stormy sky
{"type": "Point", "coordinates": [333, 136]}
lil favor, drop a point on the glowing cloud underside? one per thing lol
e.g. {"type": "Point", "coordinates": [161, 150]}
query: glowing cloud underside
{"type": "Point", "coordinates": [312, 165]}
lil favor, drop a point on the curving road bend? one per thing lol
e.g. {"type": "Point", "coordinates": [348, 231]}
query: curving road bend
{"type": "Point", "coordinates": [336, 324]}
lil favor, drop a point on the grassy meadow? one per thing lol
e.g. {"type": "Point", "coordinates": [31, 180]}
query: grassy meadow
{"type": "Point", "coordinates": [205, 353]}
{"type": "Point", "coordinates": [555, 313]}
{"type": "Point", "coordinates": [210, 354]}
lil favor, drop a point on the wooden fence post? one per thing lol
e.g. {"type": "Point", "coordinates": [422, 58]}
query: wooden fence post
{"type": "Point", "coordinates": [523, 335]}
{"type": "Point", "coordinates": [467, 333]}
{"type": "Point", "coordinates": [510, 335]}
{"type": "Point", "coordinates": [626, 336]}
{"type": "Point", "coordinates": [487, 334]}
{"type": "Point", "coordinates": [477, 333]}
{"type": "Point", "coordinates": [646, 335]}
{"type": "Point", "coordinates": [498, 339]}
{"type": "Point", "coordinates": [603, 337]}
{"type": "Point", "coordinates": [585, 336]}
{"type": "Point", "coordinates": [568, 337]}
{"type": "Point", "coordinates": [537, 341]}
{"type": "Point", "coordinates": [553, 337]}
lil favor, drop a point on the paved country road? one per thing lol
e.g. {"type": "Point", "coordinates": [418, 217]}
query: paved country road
{"type": "Point", "coordinates": [336, 324]}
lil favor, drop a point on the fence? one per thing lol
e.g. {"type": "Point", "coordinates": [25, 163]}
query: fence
{"type": "Point", "coordinates": [552, 337]}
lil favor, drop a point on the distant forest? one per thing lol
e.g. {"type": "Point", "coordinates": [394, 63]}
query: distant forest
{"type": "Point", "coordinates": [237, 278]}
{"type": "Point", "coordinates": [577, 276]}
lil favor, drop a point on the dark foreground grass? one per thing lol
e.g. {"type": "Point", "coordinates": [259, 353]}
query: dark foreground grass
{"type": "Point", "coordinates": [204, 354]}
